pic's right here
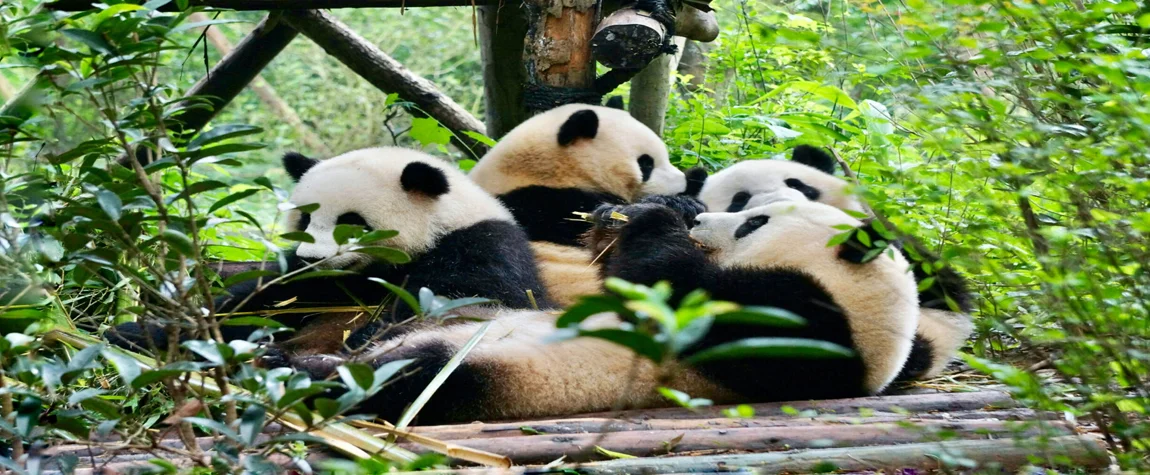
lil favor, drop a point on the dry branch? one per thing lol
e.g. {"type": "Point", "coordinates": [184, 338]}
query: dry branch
{"type": "Point", "coordinates": [78, 5]}
{"type": "Point", "coordinates": [387, 74]}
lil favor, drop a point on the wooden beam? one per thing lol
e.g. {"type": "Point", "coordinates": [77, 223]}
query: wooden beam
{"type": "Point", "coordinates": [235, 70]}
{"type": "Point", "coordinates": [266, 92]}
{"type": "Point", "coordinates": [388, 75]}
{"type": "Point", "coordinates": [271, 5]}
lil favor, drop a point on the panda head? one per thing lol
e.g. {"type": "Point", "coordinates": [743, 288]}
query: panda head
{"type": "Point", "coordinates": [388, 188]}
{"type": "Point", "coordinates": [788, 233]}
{"type": "Point", "coordinates": [585, 147]}
{"type": "Point", "coordinates": [808, 176]}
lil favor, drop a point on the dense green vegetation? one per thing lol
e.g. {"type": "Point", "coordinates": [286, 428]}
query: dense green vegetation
{"type": "Point", "coordinates": [1009, 137]}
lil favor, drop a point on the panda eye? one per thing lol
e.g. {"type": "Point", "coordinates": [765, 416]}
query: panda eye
{"type": "Point", "coordinates": [353, 219]}
{"type": "Point", "coordinates": [809, 191]}
{"type": "Point", "coordinates": [646, 166]}
{"type": "Point", "coordinates": [304, 222]}
{"type": "Point", "coordinates": [750, 226]}
{"type": "Point", "coordinates": [739, 202]}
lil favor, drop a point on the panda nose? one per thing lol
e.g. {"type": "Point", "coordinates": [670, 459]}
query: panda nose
{"type": "Point", "coordinates": [695, 222]}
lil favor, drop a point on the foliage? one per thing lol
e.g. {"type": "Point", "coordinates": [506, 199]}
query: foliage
{"type": "Point", "coordinates": [1008, 136]}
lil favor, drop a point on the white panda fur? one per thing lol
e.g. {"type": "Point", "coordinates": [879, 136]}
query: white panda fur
{"type": "Point", "coordinates": [515, 372]}
{"type": "Point", "coordinates": [572, 159]}
{"type": "Point", "coordinates": [754, 183]}
{"type": "Point", "coordinates": [462, 242]}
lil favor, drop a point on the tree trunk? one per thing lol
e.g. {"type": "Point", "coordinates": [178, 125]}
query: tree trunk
{"type": "Point", "coordinates": [651, 88]}
{"type": "Point", "coordinates": [557, 49]}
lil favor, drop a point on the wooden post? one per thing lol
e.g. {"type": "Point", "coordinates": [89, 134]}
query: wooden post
{"type": "Point", "coordinates": [651, 88]}
{"type": "Point", "coordinates": [558, 44]}
{"type": "Point", "coordinates": [265, 92]}
{"type": "Point", "coordinates": [501, 33]}
{"type": "Point", "coordinates": [388, 75]}
{"type": "Point", "coordinates": [232, 74]}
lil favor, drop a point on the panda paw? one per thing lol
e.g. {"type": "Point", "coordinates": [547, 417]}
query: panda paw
{"type": "Point", "coordinates": [274, 357]}
{"type": "Point", "coordinates": [687, 206]}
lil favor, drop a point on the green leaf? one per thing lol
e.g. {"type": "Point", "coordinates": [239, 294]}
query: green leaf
{"type": "Point", "coordinates": [440, 310]}
{"type": "Point", "coordinates": [248, 275]}
{"type": "Point", "coordinates": [840, 238]}
{"type": "Point", "coordinates": [326, 407]}
{"type": "Point", "coordinates": [178, 241]}
{"type": "Point", "coordinates": [84, 394]}
{"type": "Point", "coordinates": [232, 198]}
{"type": "Point", "coordinates": [769, 316]}
{"type": "Point", "coordinates": [640, 343]}
{"type": "Point", "coordinates": [209, 350]}
{"type": "Point", "coordinates": [110, 203]}
{"type": "Point", "coordinates": [89, 38]}
{"type": "Point", "coordinates": [613, 455]}
{"type": "Point", "coordinates": [356, 375]}
{"type": "Point", "coordinates": [376, 236]}
{"type": "Point", "coordinates": [386, 254]}
{"type": "Point", "coordinates": [126, 366]}
{"type": "Point", "coordinates": [113, 11]}
{"type": "Point", "coordinates": [863, 237]}
{"type": "Point", "coordinates": [222, 132]}
{"type": "Point", "coordinates": [171, 370]}
{"type": "Point", "coordinates": [299, 236]}
{"type": "Point", "coordinates": [832, 94]}
{"type": "Point", "coordinates": [252, 424]}
{"type": "Point", "coordinates": [925, 284]}
{"type": "Point", "coordinates": [591, 305]}
{"type": "Point", "coordinates": [400, 292]}
{"type": "Point", "coordinates": [211, 425]}
{"type": "Point", "coordinates": [770, 347]}
{"type": "Point", "coordinates": [344, 232]}
{"type": "Point", "coordinates": [478, 137]}
{"type": "Point", "coordinates": [384, 373]}
{"type": "Point", "coordinates": [195, 189]}
{"type": "Point", "coordinates": [427, 131]}
{"type": "Point", "coordinates": [296, 395]}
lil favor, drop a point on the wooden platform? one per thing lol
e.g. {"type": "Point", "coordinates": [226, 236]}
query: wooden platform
{"type": "Point", "coordinates": [924, 431]}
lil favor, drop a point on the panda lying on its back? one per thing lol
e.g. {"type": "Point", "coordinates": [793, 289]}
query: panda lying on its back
{"type": "Point", "coordinates": [462, 241]}
{"type": "Point", "coordinates": [809, 175]}
{"type": "Point", "coordinates": [574, 158]}
{"type": "Point", "coordinates": [774, 256]}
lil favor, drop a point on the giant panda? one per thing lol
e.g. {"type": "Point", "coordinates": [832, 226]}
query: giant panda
{"type": "Point", "coordinates": [569, 159]}
{"type": "Point", "coordinates": [809, 175]}
{"type": "Point", "coordinates": [775, 256]}
{"type": "Point", "coordinates": [462, 242]}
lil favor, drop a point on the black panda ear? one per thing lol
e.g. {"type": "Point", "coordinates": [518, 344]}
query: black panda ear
{"type": "Point", "coordinates": [696, 177]}
{"type": "Point", "coordinates": [615, 102]}
{"type": "Point", "coordinates": [581, 125]}
{"type": "Point", "coordinates": [814, 157]}
{"type": "Point", "coordinates": [419, 177]}
{"type": "Point", "coordinates": [297, 164]}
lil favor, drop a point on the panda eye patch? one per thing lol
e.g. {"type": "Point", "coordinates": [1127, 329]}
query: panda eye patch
{"type": "Point", "coordinates": [809, 191]}
{"type": "Point", "coordinates": [353, 219]}
{"type": "Point", "coordinates": [304, 222]}
{"type": "Point", "coordinates": [739, 201]}
{"type": "Point", "coordinates": [750, 226]}
{"type": "Point", "coordinates": [646, 166]}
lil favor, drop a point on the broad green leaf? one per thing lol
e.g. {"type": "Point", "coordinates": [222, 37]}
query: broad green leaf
{"type": "Point", "coordinates": [222, 132]}
{"type": "Point", "coordinates": [89, 38]}
{"type": "Point", "coordinates": [769, 316]}
{"type": "Point", "coordinates": [171, 370]}
{"type": "Point", "coordinates": [386, 254]}
{"type": "Point", "coordinates": [344, 232]}
{"type": "Point", "coordinates": [251, 424]}
{"type": "Point", "coordinates": [232, 198]}
{"type": "Point", "coordinates": [770, 347]}
{"type": "Point", "coordinates": [478, 137]}
{"type": "Point", "coordinates": [427, 131]}
{"type": "Point", "coordinates": [110, 203]}
{"type": "Point", "coordinates": [127, 367]}
{"type": "Point", "coordinates": [179, 242]}
{"type": "Point", "coordinates": [588, 306]}
{"type": "Point", "coordinates": [376, 236]}
{"type": "Point", "coordinates": [209, 350]}
{"type": "Point", "coordinates": [385, 372]}
{"type": "Point", "coordinates": [299, 236]}
{"type": "Point", "coordinates": [213, 426]}
{"type": "Point", "coordinates": [356, 375]}
{"type": "Point", "coordinates": [112, 11]}
{"type": "Point", "coordinates": [640, 343]}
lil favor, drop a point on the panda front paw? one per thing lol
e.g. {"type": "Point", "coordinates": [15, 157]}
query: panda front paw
{"type": "Point", "coordinates": [687, 206]}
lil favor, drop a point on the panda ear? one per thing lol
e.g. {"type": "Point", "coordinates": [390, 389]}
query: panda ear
{"type": "Point", "coordinates": [419, 177]}
{"type": "Point", "coordinates": [814, 157]}
{"type": "Point", "coordinates": [297, 164]}
{"type": "Point", "coordinates": [696, 177]}
{"type": "Point", "coordinates": [615, 102]}
{"type": "Point", "coordinates": [581, 125]}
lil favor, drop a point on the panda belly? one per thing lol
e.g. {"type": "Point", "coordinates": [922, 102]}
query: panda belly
{"type": "Point", "coordinates": [567, 272]}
